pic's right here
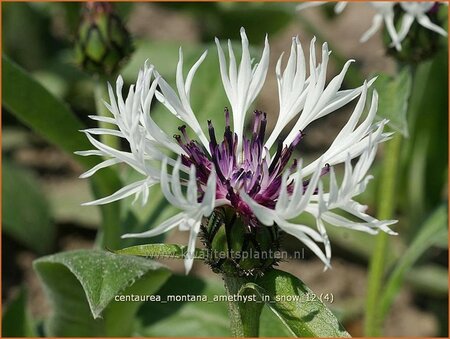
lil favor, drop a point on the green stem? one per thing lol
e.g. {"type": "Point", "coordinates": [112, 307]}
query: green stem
{"type": "Point", "coordinates": [244, 316]}
{"type": "Point", "coordinates": [373, 320]}
{"type": "Point", "coordinates": [109, 237]}
{"type": "Point", "coordinates": [101, 95]}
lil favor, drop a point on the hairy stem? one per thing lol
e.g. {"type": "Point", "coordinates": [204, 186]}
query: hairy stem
{"type": "Point", "coordinates": [110, 235]}
{"type": "Point", "coordinates": [244, 316]}
{"type": "Point", "coordinates": [387, 203]}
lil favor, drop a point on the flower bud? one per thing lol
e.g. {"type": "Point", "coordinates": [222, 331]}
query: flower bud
{"type": "Point", "coordinates": [235, 249]}
{"type": "Point", "coordinates": [102, 41]}
{"type": "Point", "coordinates": [420, 43]}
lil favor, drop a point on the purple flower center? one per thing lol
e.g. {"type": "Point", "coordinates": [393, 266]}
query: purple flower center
{"type": "Point", "coordinates": [252, 171]}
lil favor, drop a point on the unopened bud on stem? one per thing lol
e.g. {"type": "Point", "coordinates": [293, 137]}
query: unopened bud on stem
{"type": "Point", "coordinates": [102, 41]}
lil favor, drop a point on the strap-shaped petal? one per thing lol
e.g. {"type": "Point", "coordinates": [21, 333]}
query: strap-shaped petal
{"type": "Point", "coordinates": [242, 84]}
{"type": "Point", "coordinates": [179, 104]}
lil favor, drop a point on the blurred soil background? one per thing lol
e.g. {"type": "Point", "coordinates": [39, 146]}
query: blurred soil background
{"type": "Point", "coordinates": [47, 29]}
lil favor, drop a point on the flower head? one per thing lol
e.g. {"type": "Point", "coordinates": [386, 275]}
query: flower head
{"type": "Point", "coordinates": [417, 11]}
{"type": "Point", "coordinates": [410, 12]}
{"type": "Point", "coordinates": [258, 186]}
{"type": "Point", "coordinates": [102, 41]}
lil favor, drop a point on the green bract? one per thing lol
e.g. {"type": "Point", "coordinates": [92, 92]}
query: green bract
{"type": "Point", "coordinates": [420, 44]}
{"type": "Point", "coordinates": [102, 42]}
{"type": "Point", "coordinates": [234, 249]}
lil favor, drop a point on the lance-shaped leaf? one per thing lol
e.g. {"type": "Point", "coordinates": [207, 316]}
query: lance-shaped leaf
{"type": "Point", "coordinates": [296, 306]}
{"type": "Point", "coordinates": [84, 288]}
{"type": "Point", "coordinates": [432, 231]}
{"type": "Point", "coordinates": [16, 319]}
{"type": "Point", "coordinates": [155, 251]}
{"type": "Point", "coordinates": [394, 93]}
{"type": "Point", "coordinates": [26, 215]}
{"type": "Point", "coordinates": [48, 116]}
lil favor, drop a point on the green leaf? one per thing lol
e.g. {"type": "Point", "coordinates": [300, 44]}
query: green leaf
{"type": "Point", "coordinates": [31, 44]}
{"type": "Point", "coordinates": [156, 251]}
{"type": "Point", "coordinates": [36, 107]}
{"type": "Point", "coordinates": [271, 326]}
{"type": "Point", "coordinates": [394, 93]}
{"type": "Point", "coordinates": [297, 307]}
{"type": "Point", "coordinates": [426, 160]}
{"type": "Point", "coordinates": [53, 82]}
{"type": "Point", "coordinates": [434, 228]}
{"type": "Point", "coordinates": [16, 320]}
{"type": "Point", "coordinates": [430, 280]}
{"type": "Point", "coordinates": [26, 215]}
{"type": "Point", "coordinates": [82, 287]}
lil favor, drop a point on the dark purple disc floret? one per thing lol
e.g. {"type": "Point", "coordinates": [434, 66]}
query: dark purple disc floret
{"type": "Point", "coordinates": [251, 171]}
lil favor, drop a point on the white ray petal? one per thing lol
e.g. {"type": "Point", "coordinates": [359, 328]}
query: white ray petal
{"type": "Point", "coordinates": [189, 259]}
{"type": "Point", "coordinates": [296, 232]}
{"type": "Point", "coordinates": [88, 153]}
{"type": "Point", "coordinates": [103, 164]}
{"type": "Point", "coordinates": [166, 188]}
{"type": "Point", "coordinates": [407, 21]}
{"type": "Point", "coordinates": [340, 6]}
{"type": "Point", "coordinates": [107, 131]}
{"type": "Point", "coordinates": [264, 214]}
{"type": "Point", "coordinates": [123, 192]}
{"type": "Point", "coordinates": [242, 84]}
{"type": "Point", "coordinates": [377, 20]}
{"type": "Point", "coordinates": [108, 120]}
{"type": "Point", "coordinates": [426, 22]}
{"type": "Point", "coordinates": [162, 228]}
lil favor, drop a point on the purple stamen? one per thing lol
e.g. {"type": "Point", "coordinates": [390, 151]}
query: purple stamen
{"type": "Point", "coordinates": [262, 129]}
{"type": "Point", "coordinates": [297, 139]}
{"type": "Point", "coordinates": [256, 121]}
{"type": "Point", "coordinates": [253, 173]}
{"type": "Point", "coordinates": [277, 156]}
{"type": "Point", "coordinates": [182, 129]}
{"type": "Point", "coordinates": [325, 170]}
{"type": "Point", "coordinates": [227, 116]}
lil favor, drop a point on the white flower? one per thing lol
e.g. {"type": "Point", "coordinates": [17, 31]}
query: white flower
{"type": "Point", "coordinates": [242, 86]}
{"type": "Point", "coordinates": [193, 211]}
{"type": "Point", "coordinates": [385, 15]}
{"type": "Point", "coordinates": [262, 186]}
{"type": "Point", "coordinates": [417, 11]}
